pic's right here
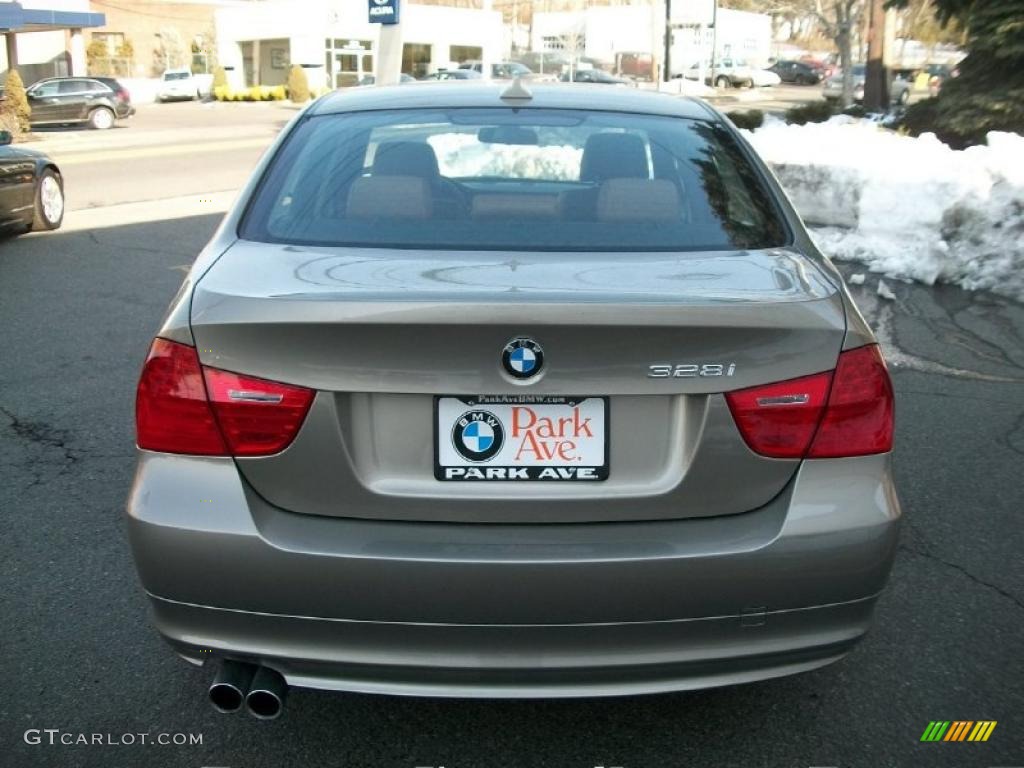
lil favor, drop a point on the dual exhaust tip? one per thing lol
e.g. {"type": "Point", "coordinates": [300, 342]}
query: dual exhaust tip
{"type": "Point", "coordinates": [260, 689]}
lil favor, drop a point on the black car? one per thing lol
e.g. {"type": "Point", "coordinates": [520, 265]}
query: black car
{"type": "Point", "coordinates": [796, 72]}
{"type": "Point", "coordinates": [96, 101]}
{"type": "Point", "coordinates": [596, 76]}
{"type": "Point", "coordinates": [31, 189]}
{"type": "Point", "coordinates": [454, 74]}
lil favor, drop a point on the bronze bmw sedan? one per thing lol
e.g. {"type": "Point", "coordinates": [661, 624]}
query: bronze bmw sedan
{"type": "Point", "coordinates": [488, 391]}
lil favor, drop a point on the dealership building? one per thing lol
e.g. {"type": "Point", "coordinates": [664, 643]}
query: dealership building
{"type": "Point", "coordinates": [334, 41]}
{"type": "Point", "coordinates": [602, 33]}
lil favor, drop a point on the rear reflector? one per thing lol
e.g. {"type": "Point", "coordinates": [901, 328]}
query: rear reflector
{"type": "Point", "coordinates": [172, 413]}
{"type": "Point", "coordinates": [258, 417]}
{"type": "Point", "coordinates": [846, 412]}
{"type": "Point", "coordinates": [183, 407]}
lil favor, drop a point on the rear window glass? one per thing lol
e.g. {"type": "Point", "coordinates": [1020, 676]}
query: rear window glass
{"type": "Point", "coordinates": [177, 75]}
{"type": "Point", "coordinates": [512, 179]}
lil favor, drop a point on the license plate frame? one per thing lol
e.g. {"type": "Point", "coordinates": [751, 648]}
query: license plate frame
{"type": "Point", "coordinates": [543, 454]}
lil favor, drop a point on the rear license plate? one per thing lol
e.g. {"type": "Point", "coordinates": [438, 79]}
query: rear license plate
{"type": "Point", "coordinates": [528, 437]}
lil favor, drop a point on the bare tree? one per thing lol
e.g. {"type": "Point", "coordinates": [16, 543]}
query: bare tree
{"type": "Point", "coordinates": [838, 19]}
{"type": "Point", "coordinates": [170, 51]}
{"type": "Point", "coordinates": [573, 42]}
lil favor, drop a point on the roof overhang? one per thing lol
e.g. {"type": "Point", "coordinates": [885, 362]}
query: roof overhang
{"type": "Point", "coordinates": [15, 18]}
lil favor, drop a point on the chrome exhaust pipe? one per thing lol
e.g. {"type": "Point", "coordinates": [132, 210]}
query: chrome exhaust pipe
{"type": "Point", "coordinates": [265, 699]}
{"type": "Point", "coordinates": [229, 687]}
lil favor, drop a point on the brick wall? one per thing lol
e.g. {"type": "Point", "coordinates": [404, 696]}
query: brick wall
{"type": "Point", "coordinates": [140, 21]}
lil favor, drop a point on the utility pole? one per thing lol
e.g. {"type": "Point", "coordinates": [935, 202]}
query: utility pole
{"type": "Point", "coordinates": [876, 76]}
{"type": "Point", "coordinates": [714, 40]}
{"type": "Point", "coordinates": [668, 40]}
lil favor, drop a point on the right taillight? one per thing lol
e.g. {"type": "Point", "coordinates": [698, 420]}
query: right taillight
{"type": "Point", "coordinates": [845, 412]}
{"type": "Point", "coordinates": [859, 418]}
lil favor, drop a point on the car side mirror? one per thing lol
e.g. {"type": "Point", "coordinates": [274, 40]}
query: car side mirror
{"type": "Point", "coordinates": [6, 137]}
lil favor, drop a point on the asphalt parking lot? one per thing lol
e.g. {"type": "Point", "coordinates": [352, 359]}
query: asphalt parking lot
{"type": "Point", "coordinates": [79, 307]}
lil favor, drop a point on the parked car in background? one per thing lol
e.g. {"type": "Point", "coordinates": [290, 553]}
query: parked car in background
{"type": "Point", "coordinates": [501, 70]}
{"type": "Point", "coordinates": [637, 65]}
{"type": "Point", "coordinates": [798, 72]}
{"type": "Point", "coordinates": [454, 74]}
{"type": "Point", "coordinates": [371, 79]}
{"type": "Point", "coordinates": [596, 76]}
{"type": "Point", "coordinates": [736, 73]}
{"type": "Point", "coordinates": [31, 189]}
{"type": "Point", "coordinates": [938, 74]}
{"type": "Point", "coordinates": [96, 101]}
{"type": "Point", "coordinates": [899, 89]}
{"type": "Point", "coordinates": [825, 67]}
{"type": "Point", "coordinates": [178, 84]}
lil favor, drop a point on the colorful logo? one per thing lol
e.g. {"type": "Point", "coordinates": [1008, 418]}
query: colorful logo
{"type": "Point", "coordinates": [958, 730]}
{"type": "Point", "coordinates": [478, 435]}
{"type": "Point", "coordinates": [522, 358]}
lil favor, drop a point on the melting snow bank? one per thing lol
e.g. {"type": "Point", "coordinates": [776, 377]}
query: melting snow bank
{"type": "Point", "coordinates": [911, 208]}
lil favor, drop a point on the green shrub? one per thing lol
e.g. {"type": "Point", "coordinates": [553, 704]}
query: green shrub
{"type": "Point", "coordinates": [962, 118]}
{"type": "Point", "coordinates": [988, 93]}
{"type": "Point", "coordinates": [812, 112]}
{"type": "Point", "coordinates": [751, 119]}
{"type": "Point", "coordinates": [298, 85]}
{"type": "Point", "coordinates": [14, 106]}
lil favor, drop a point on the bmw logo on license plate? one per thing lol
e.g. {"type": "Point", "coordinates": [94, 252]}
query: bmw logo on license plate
{"type": "Point", "coordinates": [478, 435]}
{"type": "Point", "coordinates": [522, 358]}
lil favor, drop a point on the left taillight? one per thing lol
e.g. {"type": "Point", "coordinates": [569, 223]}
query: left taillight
{"type": "Point", "coordinates": [258, 417]}
{"type": "Point", "coordinates": [184, 407]}
{"type": "Point", "coordinates": [172, 412]}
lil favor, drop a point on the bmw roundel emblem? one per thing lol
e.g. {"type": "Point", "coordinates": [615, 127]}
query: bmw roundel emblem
{"type": "Point", "coordinates": [478, 435]}
{"type": "Point", "coordinates": [522, 358]}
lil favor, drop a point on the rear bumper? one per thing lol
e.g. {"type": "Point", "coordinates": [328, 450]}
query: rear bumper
{"type": "Point", "coordinates": [519, 661]}
{"type": "Point", "coordinates": [513, 610]}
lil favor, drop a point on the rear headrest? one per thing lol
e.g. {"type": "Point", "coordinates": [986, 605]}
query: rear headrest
{"type": "Point", "coordinates": [372, 197]}
{"type": "Point", "coordinates": [638, 200]}
{"type": "Point", "coordinates": [405, 158]}
{"type": "Point", "coordinates": [613, 156]}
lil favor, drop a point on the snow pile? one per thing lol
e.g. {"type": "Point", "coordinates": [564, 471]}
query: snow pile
{"type": "Point", "coordinates": [911, 208]}
{"type": "Point", "coordinates": [463, 154]}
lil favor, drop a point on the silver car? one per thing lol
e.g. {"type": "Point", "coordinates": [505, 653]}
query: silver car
{"type": "Point", "coordinates": [505, 392]}
{"type": "Point", "coordinates": [899, 89]}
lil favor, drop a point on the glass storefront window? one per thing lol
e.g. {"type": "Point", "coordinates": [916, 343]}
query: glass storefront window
{"type": "Point", "coordinates": [416, 59]}
{"type": "Point", "coordinates": [460, 53]}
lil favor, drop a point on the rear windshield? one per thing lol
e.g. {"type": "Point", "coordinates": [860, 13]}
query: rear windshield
{"type": "Point", "coordinates": [513, 179]}
{"type": "Point", "coordinates": [177, 75]}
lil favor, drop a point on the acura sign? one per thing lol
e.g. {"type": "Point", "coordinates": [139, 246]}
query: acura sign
{"type": "Point", "coordinates": [383, 11]}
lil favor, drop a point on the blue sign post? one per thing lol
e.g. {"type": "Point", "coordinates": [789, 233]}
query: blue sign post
{"type": "Point", "coordinates": [383, 11]}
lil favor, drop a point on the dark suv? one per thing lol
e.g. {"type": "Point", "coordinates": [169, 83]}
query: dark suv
{"type": "Point", "coordinates": [798, 72]}
{"type": "Point", "coordinates": [97, 101]}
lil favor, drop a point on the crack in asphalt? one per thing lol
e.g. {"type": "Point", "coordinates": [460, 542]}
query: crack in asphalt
{"type": "Point", "coordinates": [882, 315]}
{"type": "Point", "coordinates": [921, 549]}
{"type": "Point", "coordinates": [886, 334]}
{"type": "Point", "coordinates": [42, 434]}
